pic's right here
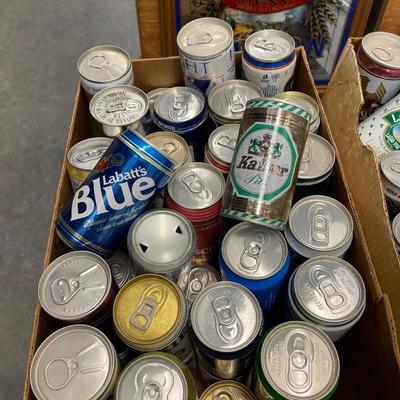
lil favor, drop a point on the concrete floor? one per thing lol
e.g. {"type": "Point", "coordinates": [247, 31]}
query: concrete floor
{"type": "Point", "coordinates": [40, 42]}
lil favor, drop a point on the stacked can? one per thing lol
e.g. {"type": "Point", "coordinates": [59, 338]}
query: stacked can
{"type": "Point", "coordinates": [390, 177]}
{"type": "Point", "coordinates": [195, 190]}
{"type": "Point", "coordinates": [121, 268]}
{"type": "Point", "coordinates": [227, 390]}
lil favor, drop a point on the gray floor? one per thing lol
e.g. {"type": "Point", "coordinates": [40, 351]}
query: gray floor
{"type": "Point", "coordinates": [40, 42]}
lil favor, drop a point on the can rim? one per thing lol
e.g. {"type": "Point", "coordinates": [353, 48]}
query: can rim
{"type": "Point", "coordinates": [209, 147]}
{"type": "Point", "coordinates": [245, 391]}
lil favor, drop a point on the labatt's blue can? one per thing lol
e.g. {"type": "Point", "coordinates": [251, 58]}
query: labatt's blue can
{"type": "Point", "coordinates": [258, 258]}
{"type": "Point", "coordinates": [118, 190]}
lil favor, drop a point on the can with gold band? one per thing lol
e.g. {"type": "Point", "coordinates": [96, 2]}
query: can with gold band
{"type": "Point", "coordinates": [227, 390]}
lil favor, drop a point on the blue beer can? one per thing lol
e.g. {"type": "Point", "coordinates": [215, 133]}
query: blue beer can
{"type": "Point", "coordinates": [258, 258]}
{"type": "Point", "coordinates": [118, 190]}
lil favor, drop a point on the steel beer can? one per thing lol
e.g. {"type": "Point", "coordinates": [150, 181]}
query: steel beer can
{"type": "Point", "coordinates": [117, 191]}
{"type": "Point", "coordinates": [205, 47]}
{"type": "Point", "coordinates": [265, 164]}
{"type": "Point", "coordinates": [227, 390]}
{"type": "Point", "coordinates": [121, 268]}
{"type": "Point", "coordinates": [396, 230]}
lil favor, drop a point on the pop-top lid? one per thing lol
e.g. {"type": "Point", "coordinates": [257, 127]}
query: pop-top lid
{"type": "Point", "coordinates": [222, 142]}
{"type": "Point", "coordinates": [383, 48]}
{"type": "Point", "coordinates": [390, 167]}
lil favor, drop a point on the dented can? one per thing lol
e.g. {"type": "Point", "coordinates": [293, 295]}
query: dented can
{"type": "Point", "coordinates": [227, 390]}
{"type": "Point", "coordinates": [121, 268]}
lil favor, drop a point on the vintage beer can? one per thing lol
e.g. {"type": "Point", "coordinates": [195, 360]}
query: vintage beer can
{"type": "Point", "coordinates": [296, 361]}
{"type": "Point", "coordinates": [83, 157]}
{"type": "Point", "coordinates": [396, 230]}
{"type": "Point", "coordinates": [195, 190]}
{"type": "Point", "coordinates": [77, 287]}
{"type": "Point", "coordinates": [227, 101]}
{"type": "Point", "coordinates": [104, 66]}
{"type": "Point", "coordinates": [115, 109]}
{"type": "Point", "coordinates": [269, 61]}
{"type": "Point", "coordinates": [162, 242]}
{"type": "Point", "coordinates": [227, 390]}
{"type": "Point", "coordinates": [121, 268]}
{"type": "Point", "coordinates": [328, 292]}
{"type": "Point", "coordinates": [158, 376]}
{"type": "Point", "coordinates": [76, 362]}
{"type": "Point", "coordinates": [205, 47]}
{"type": "Point", "coordinates": [227, 322]}
{"type": "Point", "coordinates": [257, 258]}
{"type": "Point", "coordinates": [117, 191]}
{"type": "Point", "coordinates": [390, 177]}
{"type": "Point", "coordinates": [265, 164]}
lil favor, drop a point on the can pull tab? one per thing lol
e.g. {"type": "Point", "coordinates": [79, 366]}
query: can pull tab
{"type": "Point", "coordinates": [384, 54]}
{"type": "Point", "coordinates": [320, 219]}
{"type": "Point", "coordinates": [253, 252]}
{"type": "Point", "coordinates": [101, 61]}
{"type": "Point", "coordinates": [153, 381]}
{"type": "Point", "coordinates": [224, 394]}
{"type": "Point", "coordinates": [269, 47]}
{"type": "Point", "coordinates": [124, 105]}
{"type": "Point", "coordinates": [90, 155]}
{"type": "Point", "coordinates": [235, 101]}
{"type": "Point", "coordinates": [196, 185]}
{"type": "Point", "coordinates": [199, 38]}
{"type": "Point", "coordinates": [179, 107]}
{"type": "Point", "coordinates": [169, 148]}
{"type": "Point", "coordinates": [226, 141]}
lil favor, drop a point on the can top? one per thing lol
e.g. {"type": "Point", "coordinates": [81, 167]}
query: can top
{"type": "Point", "coordinates": [318, 158]}
{"type": "Point", "coordinates": [269, 45]}
{"type": "Point", "coordinates": [390, 167]}
{"type": "Point", "coordinates": [228, 99]}
{"type": "Point", "coordinates": [299, 361]}
{"type": "Point", "coordinates": [121, 268]}
{"type": "Point", "coordinates": [102, 64]}
{"type": "Point", "coordinates": [321, 223]}
{"type": "Point", "coordinates": [153, 96]}
{"type": "Point", "coordinates": [149, 312]}
{"type": "Point", "coordinates": [76, 362]}
{"type": "Point", "coordinates": [227, 390]}
{"type": "Point", "coordinates": [204, 38]}
{"type": "Point", "coordinates": [226, 317]}
{"type": "Point", "coordinates": [161, 241]}
{"type": "Point", "coordinates": [329, 290]}
{"type": "Point", "coordinates": [383, 48]}
{"type": "Point", "coordinates": [196, 186]}
{"type": "Point", "coordinates": [74, 285]}
{"type": "Point", "coordinates": [86, 153]}
{"type": "Point", "coordinates": [222, 142]}
{"type": "Point", "coordinates": [119, 105]}
{"type": "Point", "coordinates": [254, 252]}
{"type": "Point", "coordinates": [152, 374]}
{"type": "Point", "coordinates": [396, 228]}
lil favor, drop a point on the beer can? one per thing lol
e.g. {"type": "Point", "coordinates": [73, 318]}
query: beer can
{"type": "Point", "coordinates": [227, 390]}
{"type": "Point", "coordinates": [153, 96]}
{"type": "Point", "coordinates": [76, 362]}
{"type": "Point", "coordinates": [205, 47]}
{"type": "Point", "coordinates": [117, 191]}
{"type": "Point", "coordinates": [227, 322]}
{"type": "Point", "coordinates": [265, 164]}
{"type": "Point", "coordinates": [319, 226]}
{"type": "Point", "coordinates": [156, 375]}
{"type": "Point", "coordinates": [104, 66]}
{"type": "Point", "coordinates": [296, 361]}
{"type": "Point", "coordinates": [257, 258]}
{"type": "Point", "coordinates": [121, 268]}
{"type": "Point", "coordinates": [77, 287]}
{"type": "Point", "coordinates": [227, 101]}
{"type": "Point", "coordinates": [269, 61]}
{"type": "Point", "coordinates": [195, 190]}
{"type": "Point", "coordinates": [328, 292]}
{"type": "Point", "coordinates": [162, 242]}
{"type": "Point", "coordinates": [83, 157]}
{"type": "Point", "coordinates": [390, 177]}
{"type": "Point", "coordinates": [115, 109]}
{"type": "Point", "coordinates": [396, 230]}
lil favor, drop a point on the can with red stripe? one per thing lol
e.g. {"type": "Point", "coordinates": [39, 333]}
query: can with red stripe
{"type": "Point", "coordinates": [195, 190]}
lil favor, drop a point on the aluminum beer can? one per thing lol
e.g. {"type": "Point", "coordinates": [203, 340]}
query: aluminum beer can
{"type": "Point", "coordinates": [296, 361]}
{"type": "Point", "coordinates": [121, 268]}
{"type": "Point", "coordinates": [265, 164]}
{"type": "Point", "coordinates": [396, 230]}
{"type": "Point", "coordinates": [205, 47]}
{"type": "Point", "coordinates": [227, 390]}
{"type": "Point", "coordinates": [76, 362]}
{"type": "Point", "coordinates": [83, 157]}
{"type": "Point", "coordinates": [153, 96]}
{"type": "Point", "coordinates": [117, 191]}
{"type": "Point", "coordinates": [390, 177]}
{"type": "Point", "coordinates": [269, 61]}
{"type": "Point", "coordinates": [257, 258]}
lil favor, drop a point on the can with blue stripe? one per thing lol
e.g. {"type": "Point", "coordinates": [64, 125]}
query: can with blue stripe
{"type": "Point", "coordinates": [118, 190]}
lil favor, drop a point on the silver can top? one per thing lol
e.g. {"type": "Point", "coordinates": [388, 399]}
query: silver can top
{"type": "Point", "coordinates": [329, 290]}
{"type": "Point", "coordinates": [102, 64]}
{"type": "Point", "coordinates": [153, 96]}
{"type": "Point", "coordinates": [121, 268]}
{"type": "Point", "coordinates": [228, 99]}
{"type": "Point", "coordinates": [76, 362]}
{"type": "Point", "coordinates": [86, 154]}
{"type": "Point", "coordinates": [396, 228]}
{"type": "Point", "coordinates": [299, 361]}
{"type": "Point", "coordinates": [383, 48]}
{"type": "Point", "coordinates": [390, 167]}
{"type": "Point", "coordinates": [196, 186]}
{"type": "Point", "coordinates": [204, 38]}
{"type": "Point", "coordinates": [222, 142]}
{"type": "Point", "coordinates": [226, 317]}
{"type": "Point", "coordinates": [318, 158]}
{"type": "Point", "coordinates": [161, 241]}
{"type": "Point", "coordinates": [321, 223]}
{"type": "Point", "coordinates": [74, 285]}
{"type": "Point", "coordinates": [119, 105]}
{"type": "Point", "coordinates": [254, 252]}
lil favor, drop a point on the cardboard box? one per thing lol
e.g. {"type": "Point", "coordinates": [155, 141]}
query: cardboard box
{"type": "Point", "coordinates": [369, 366]}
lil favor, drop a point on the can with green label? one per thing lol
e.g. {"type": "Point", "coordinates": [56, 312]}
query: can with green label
{"type": "Point", "coordinates": [265, 164]}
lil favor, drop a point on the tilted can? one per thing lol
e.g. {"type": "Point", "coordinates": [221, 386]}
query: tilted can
{"type": "Point", "coordinates": [296, 361]}
{"type": "Point", "coordinates": [390, 177]}
{"type": "Point", "coordinates": [257, 258]}
{"type": "Point", "coordinates": [117, 191]}
{"type": "Point", "coordinates": [269, 60]}
{"type": "Point", "coordinates": [396, 230]}
{"type": "Point", "coordinates": [227, 390]}
{"type": "Point", "coordinates": [121, 268]}
{"type": "Point", "coordinates": [205, 47]}
{"type": "Point", "coordinates": [265, 165]}
{"type": "Point", "coordinates": [76, 362]}
{"type": "Point", "coordinates": [83, 157]}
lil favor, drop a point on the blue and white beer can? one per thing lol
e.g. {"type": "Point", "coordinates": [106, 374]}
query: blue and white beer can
{"type": "Point", "coordinates": [118, 190]}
